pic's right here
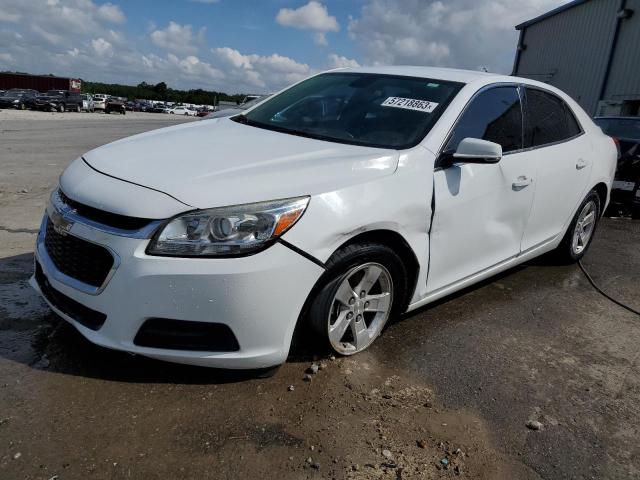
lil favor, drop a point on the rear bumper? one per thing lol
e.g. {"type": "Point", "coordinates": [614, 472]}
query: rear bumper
{"type": "Point", "coordinates": [258, 298]}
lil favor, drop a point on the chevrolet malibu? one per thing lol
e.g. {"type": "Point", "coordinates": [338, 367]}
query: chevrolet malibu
{"type": "Point", "coordinates": [334, 206]}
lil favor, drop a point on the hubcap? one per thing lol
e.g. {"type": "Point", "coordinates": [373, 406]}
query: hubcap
{"type": "Point", "coordinates": [360, 308]}
{"type": "Point", "coordinates": [584, 228]}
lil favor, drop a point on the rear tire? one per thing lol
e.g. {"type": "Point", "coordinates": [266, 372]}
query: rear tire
{"type": "Point", "coordinates": [348, 321]}
{"type": "Point", "coordinates": [581, 230]}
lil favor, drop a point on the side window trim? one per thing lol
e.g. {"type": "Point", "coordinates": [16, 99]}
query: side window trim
{"type": "Point", "coordinates": [525, 118]}
{"type": "Point", "coordinates": [482, 90]}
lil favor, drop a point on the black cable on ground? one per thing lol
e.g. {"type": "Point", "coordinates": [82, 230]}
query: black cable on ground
{"type": "Point", "coordinates": [603, 293]}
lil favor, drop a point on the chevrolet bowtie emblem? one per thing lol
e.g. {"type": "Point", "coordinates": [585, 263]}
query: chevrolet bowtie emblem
{"type": "Point", "coordinates": [60, 224]}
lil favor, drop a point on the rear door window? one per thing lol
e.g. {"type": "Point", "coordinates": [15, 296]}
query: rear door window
{"type": "Point", "coordinates": [548, 119]}
{"type": "Point", "coordinates": [494, 115]}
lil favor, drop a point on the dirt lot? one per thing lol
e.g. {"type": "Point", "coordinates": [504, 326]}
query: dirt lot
{"type": "Point", "coordinates": [452, 384]}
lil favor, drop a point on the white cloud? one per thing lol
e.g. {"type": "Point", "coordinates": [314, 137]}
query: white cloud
{"type": "Point", "coordinates": [102, 47]}
{"type": "Point", "coordinates": [259, 73]}
{"type": "Point", "coordinates": [9, 17]}
{"type": "Point", "coordinates": [313, 16]}
{"type": "Point", "coordinates": [111, 13]}
{"type": "Point", "coordinates": [338, 61]}
{"type": "Point", "coordinates": [177, 38]}
{"type": "Point", "coordinates": [6, 57]}
{"type": "Point", "coordinates": [320, 39]}
{"type": "Point", "coordinates": [454, 33]}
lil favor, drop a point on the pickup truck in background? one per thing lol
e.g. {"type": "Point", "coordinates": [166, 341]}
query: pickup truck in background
{"type": "Point", "coordinates": [59, 100]}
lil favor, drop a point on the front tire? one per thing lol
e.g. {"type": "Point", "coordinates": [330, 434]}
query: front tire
{"type": "Point", "coordinates": [364, 286]}
{"type": "Point", "coordinates": [580, 233]}
{"type": "Point", "coordinates": [61, 108]}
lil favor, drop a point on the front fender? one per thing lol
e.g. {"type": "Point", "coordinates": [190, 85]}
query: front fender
{"type": "Point", "coordinates": [400, 202]}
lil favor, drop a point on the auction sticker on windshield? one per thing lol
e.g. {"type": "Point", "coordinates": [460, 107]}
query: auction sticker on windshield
{"type": "Point", "coordinates": [410, 104]}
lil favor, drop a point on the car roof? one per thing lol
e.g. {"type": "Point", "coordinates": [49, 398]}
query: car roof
{"type": "Point", "coordinates": [450, 74]}
{"type": "Point", "coordinates": [440, 73]}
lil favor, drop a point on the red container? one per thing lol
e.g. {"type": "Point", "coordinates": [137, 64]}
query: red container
{"type": "Point", "coordinates": [42, 83]}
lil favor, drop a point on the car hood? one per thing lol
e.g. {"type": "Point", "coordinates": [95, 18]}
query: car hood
{"type": "Point", "coordinates": [220, 162]}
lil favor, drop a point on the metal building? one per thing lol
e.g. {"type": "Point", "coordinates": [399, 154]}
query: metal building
{"type": "Point", "coordinates": [588, 48]}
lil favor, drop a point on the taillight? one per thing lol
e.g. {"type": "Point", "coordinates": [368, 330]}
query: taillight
{"type": "Point", "coordinates": [616, 140]}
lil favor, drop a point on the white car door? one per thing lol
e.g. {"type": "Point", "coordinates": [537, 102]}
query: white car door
{"type": "Point", "coordinates": [481, 210]}
{"type": "Point", "coordinates": [562, 161]}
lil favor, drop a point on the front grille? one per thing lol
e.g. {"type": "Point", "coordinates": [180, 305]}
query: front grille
{"type": "Point", "coordinates": [109, 219]}
{"type": "Point", "coordinates": [186, 335]}
{"type": "Point", "coordinates": [81, 314]}
{"type": "Point", "coordinates": [85, 261]}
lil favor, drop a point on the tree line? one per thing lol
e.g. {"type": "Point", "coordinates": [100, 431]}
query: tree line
{"type": "Point", "coordinates": [161, 92]}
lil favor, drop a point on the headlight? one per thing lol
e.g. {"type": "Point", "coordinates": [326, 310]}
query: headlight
{"type": "Point", "coordinates": [227, 231]}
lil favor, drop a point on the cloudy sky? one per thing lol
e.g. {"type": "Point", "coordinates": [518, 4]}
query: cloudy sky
{"type": "Point", "coordinates": [254, 45]}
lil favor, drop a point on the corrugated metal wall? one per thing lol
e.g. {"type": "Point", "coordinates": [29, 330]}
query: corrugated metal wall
{"type": "Point", "coordinates": [569, 50]}
{"type": "Point", "coordinates": [624, 79]}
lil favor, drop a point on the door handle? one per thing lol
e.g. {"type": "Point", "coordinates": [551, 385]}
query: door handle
{"type": "Point", "coordinates": [580, 164]}
{"type": "Point", "coordinates": [521, 182]}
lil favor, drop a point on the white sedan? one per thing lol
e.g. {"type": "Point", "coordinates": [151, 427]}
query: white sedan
{"type": "Point", "coordinates": [183, 111]}
{"type": "Point", "coordinates": [353, 196]}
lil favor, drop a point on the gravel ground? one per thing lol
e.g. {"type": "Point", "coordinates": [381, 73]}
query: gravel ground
{"type": "Point", "coordinates": [446, 392]}
{"type": "Point", "coordinates": [32, 115]}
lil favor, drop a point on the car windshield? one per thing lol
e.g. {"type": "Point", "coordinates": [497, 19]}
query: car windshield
{"type": "Point", "coordinates": [375, 110]}
{"type": "Point", "coordinates": [14, 94]}
{"type": "Point", "coordinates": [54, 93]}
{"type": "Point", "coordinates": [628, 128]}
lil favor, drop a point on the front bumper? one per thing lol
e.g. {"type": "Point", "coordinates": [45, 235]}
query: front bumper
{"type": "Point", "coordinates": [258, 297]}
{"type": "Point", "coordinates": [46, 105]}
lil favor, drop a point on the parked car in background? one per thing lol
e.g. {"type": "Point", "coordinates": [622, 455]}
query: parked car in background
{"type": "Point", "coordinates": [625, 193]}
{"type": "Point", "coordinates": [113, 104]}
{"type": "Point", "coordinates": [132, 106]}
{"type": "Point", "coordinates": [228, 112]}
{"type": "Point", "coordinates": [59, 100]}
{"type": "Point", "coordinates": [18, 99]}
{"type": "Point", "coordinates": [99, 101]}
{"type": "Point", "coordinates": [351, 197]}
{"type": "Point", "coordinates": [182, 110]}
{"type": "Point", "coordinates": [87, 102]}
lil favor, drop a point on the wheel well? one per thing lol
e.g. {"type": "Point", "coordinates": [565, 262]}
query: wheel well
{"type": "Point", "coordinates": [601, 190]}
{"type": "Point", "coordinates": [388, 238]}
{"type": "Point", "coordinates": [396, 242]}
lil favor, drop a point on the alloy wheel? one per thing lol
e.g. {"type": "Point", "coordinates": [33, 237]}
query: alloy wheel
{"type": "Point", "coordinates": [584, 228]}
{"type": "Point", "coordinates": [360, 308]}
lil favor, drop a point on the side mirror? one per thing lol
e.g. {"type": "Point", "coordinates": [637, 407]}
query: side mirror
{"type": "Point", "coordinates": [475, 150]}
